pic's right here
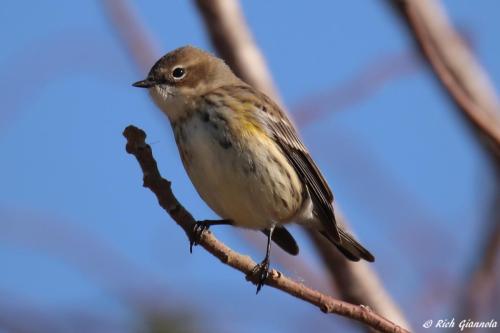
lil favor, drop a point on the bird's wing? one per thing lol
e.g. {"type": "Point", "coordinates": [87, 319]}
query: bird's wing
{"type": "Point", "coordinates": [287, 138]}
{"type": "Point", "coordinates": [283, 132]}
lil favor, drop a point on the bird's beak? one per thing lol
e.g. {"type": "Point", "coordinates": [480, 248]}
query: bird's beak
{"type": "Point", "coordinates": [148, 83]}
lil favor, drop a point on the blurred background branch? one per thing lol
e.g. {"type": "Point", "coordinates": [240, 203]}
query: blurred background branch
{"type": "Point", "coordinates": [478, 298]}
{"type": "Point", "coordinates": [233, 41]}
{"type": "Point", "coordinates": [362, 85]}
{"type": "Point", "coordinates": [455, 66]}
{"type": "Point", "coordinates": [138, 41]}
{"type": "Point", "coordinates": [469, 87]}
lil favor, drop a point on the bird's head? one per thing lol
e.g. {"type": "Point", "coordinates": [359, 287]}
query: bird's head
{"type": "Point", "coordinates": [181, 75]}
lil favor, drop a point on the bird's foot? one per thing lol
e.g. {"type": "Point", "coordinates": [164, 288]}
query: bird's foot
{"type": "Point", "coordinates": [198, 229]}
{"type": "Point", "coordinates": [261, 271]}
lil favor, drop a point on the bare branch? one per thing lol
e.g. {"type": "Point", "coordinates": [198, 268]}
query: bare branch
{"type": "Point", "coordinates": [454, 65]}
{"type": "Point", "coordinates": [152, 179]}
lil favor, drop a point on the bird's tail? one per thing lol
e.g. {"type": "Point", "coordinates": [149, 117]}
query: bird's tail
{"type": "Point", "coordinates": [350, 247]}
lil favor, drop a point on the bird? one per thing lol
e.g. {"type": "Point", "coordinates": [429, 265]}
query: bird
{"type": "Point", "coordinates": [243, 155]}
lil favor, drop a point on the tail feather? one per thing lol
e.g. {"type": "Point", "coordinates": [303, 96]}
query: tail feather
{"type": "Point", "coordinates": [284, 239]}
{"type": "Point", "coordinates": [350, 247]}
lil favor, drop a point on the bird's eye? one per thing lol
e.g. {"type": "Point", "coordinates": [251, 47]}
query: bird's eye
{"type": "Point", "coordinates": [178, 73]}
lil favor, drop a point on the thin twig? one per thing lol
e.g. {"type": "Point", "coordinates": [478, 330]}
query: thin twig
{"type": "Point", "coordinates": [152, 179]}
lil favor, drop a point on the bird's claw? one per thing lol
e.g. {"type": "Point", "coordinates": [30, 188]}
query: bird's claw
{"type": "Point", "coordinates": [198, 229]}
{"type": "Point", "coordinates": [261, 271]}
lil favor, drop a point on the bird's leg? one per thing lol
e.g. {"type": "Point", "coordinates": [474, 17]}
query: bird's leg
{"type": "Point", "coordinates": [200, 226]}
{"type": "Point", "coordinates": [262, 269]}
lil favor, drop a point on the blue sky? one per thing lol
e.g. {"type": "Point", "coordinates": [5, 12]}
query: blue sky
{"type": "Point", "coordinates": [79, 235]}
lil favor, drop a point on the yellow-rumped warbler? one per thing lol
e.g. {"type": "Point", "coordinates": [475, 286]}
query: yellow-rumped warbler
{"type": "Point", "coordinates": [242, 154]}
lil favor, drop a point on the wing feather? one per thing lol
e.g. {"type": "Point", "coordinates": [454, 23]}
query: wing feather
{"type": "Point", "coordinates": [320, 192]}
{"type": "Point", "coordinates": [287, 138]}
